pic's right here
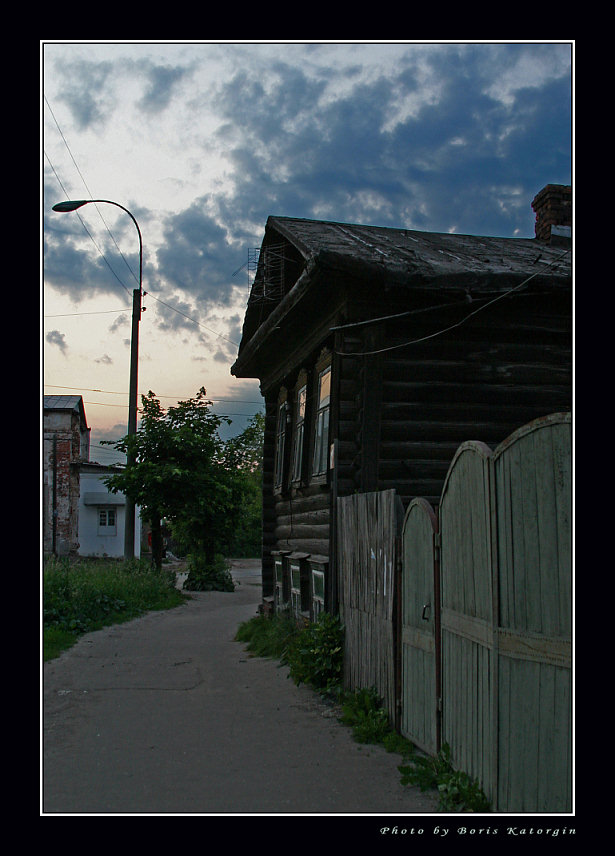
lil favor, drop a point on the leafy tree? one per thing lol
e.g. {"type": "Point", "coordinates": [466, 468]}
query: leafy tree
{"type": "Point", "coordinates": [244, 455]}
{"type": "Point", "coordinates": [185, 473]}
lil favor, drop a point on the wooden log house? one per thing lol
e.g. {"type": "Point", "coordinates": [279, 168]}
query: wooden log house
{"type": "Point", "coordinates": [379, 351]}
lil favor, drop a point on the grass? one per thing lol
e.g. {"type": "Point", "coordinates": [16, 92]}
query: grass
{"type": "Point", "coordinates": [87, 594]}
{"type": "Point", "coordinates": [268, 637]}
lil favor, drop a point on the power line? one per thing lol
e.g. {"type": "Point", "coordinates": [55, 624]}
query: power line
{"type": "Point", "coordinates": [452, 326]}
{"type": "Point", "coordinates": [74, 314]}
{"type": "Point", "coordinates": [194, 321]}
{"type": "Point", "coordinates": [172, 397]}
{"type": "Point", "coordinates": [173, 308]}
{"type": "Point", "coordinates": [168, 305]}
{"type": "Point", "coordinates": [87, 231]}
{"type": "Point", "coordinates": [88, 189]}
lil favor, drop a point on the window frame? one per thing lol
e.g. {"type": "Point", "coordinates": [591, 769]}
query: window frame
{"type": "Point", "coordinates": [321, 427]}
{"type": "Point", "coordinates": [281, 431]}
{"type": "Point", "coordinates": [107, 528]}
{"type": "Point", "coordinates": [299, 433]}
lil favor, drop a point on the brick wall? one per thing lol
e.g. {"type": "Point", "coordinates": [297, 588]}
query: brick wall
{"type": "Point", "coordinates": [61, 454]}
{"type": "Point", "coordinates": [553, 207]}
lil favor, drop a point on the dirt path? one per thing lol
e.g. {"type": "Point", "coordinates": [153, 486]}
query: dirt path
{"type": "Point", "coordinates": [167, 714]}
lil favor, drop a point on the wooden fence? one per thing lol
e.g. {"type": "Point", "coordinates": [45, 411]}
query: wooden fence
{"type": "Point", "coordinates": [493, 680]}
{"type": "Point", "coordinates": [483, 645]}
{"type": "Point", "coordinates": [369, 525]}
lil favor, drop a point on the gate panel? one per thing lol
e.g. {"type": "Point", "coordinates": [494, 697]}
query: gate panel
{"type": "Point", "coordinates": [533, 524]}
{"type": "Point", "coordinates": [368, 527]}
{"type": "Point", "coordinates": [419, 610]}
{"type": "Point", "coordinates": [467, 613]}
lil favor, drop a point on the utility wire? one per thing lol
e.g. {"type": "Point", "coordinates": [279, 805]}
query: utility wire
{"type": "Point", "coordinates": [173, 397]}
{"type": "Point", "coordinates": [168, 305]}
{"type": "Point", "coordinates": [74, 314]}
{"type": "Point", "coordinates": [110, 233]}
{"type": "Point", "coordinates": [89, 191]}
{"type": "Point", "coordinates": [87, 231]}
{"type": "Point", "coordinates": [452, 326]}
{"type": "Point", "coordinates": [194, 321]}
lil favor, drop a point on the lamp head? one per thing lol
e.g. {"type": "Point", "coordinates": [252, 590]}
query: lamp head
{"type": "Point", "coordinates": [70, 206]}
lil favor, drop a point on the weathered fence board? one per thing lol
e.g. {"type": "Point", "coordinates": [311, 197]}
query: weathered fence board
{"type": "Point", "coordinates": [467, 608]}
{"type": "Point", "coordinates": [368, 525]}
{"type": "Point", "coordinates": [532, 518]}
{"type": "Point", "coordinates": [419, 595]}
{"type": "Point", "coordinates": [505, 618]}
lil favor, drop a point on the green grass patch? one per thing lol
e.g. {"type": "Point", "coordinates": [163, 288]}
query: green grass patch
{"type": "Point", "coordinates": [313, 652]}
{"type": "Point", "coordinates": [268, 636]}
{"type": "Point", "coordinates": [362, 711]}
{"type": "Point", "coordinates": [84, 595]}
{"type": "Point", "coordinates": [457, 792]}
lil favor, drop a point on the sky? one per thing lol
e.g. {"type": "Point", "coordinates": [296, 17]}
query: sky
{"type": "Point", "coordinates": [202, 141]}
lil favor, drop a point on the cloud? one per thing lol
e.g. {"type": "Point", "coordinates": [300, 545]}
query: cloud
{"type": "Point", "coordinates": [104, 360]}
{"type": "Point", "coordinates": [310, 152]}
{"type": "Point", "coordinates": [121, 321]}
{"type": "Point", "coordinates": [54, 337]}
{"type": "Point", "coordinates": [197, 254]}
{"type": "Point", "coordinates": [84, 88]}
{"type": "Point", "coordinates": [435, 137]}
{"type": "Point", "coordinates": [162, 82]}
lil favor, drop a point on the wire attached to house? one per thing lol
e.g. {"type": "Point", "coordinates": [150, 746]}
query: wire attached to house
{"type": "Point", "coordinates": [452, 326]}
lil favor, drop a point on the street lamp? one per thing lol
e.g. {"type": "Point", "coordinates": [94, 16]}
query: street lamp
{"type": "Point", "coordinates": [129, 527]}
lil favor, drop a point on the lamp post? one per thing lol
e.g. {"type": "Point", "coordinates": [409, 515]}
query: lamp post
{"type": "Point", "coordinates": [129, 526]}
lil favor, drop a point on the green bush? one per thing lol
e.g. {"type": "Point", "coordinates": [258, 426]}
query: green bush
{"type": "Point", "coordinates": [315, 655]}
{"type": "Point", "coordinates": [268, 636]}
{"type": "Point", "coordinates": [363, 712]}
{"type": "Point", "coordinates": [457, 792]}
{"type": "Point", "coordinates": [205, 576]}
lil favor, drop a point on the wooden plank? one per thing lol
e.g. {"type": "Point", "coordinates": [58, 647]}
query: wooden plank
{"type": "Point", "coordinates": [367, 530]}
{"type": "Point", "coordinates": [467, 623]}
{"type": "Point", "coordinates": [419, 697]}
{"type": "Point", "coordinates": [532, 490]}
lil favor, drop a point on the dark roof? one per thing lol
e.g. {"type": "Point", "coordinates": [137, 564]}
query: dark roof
{"type": "Point", "coordinates": [404, 254]}
{"type": "Point", "coordinates": [403, 260]}
{"type": "Point", "coordinates": [61, 402]}
{"type": "Point", "coordinates": [65, 402]}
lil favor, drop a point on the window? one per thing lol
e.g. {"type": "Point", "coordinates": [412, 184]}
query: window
{"type": "Point", "coordinates": [295, 589]}
{"type": "Point", "coordinates": [318, 592]}
{"type": "Point", "coordinates": [107, 521]}
{"type": "Point", "coordinates": [300, 402]}
{"type": "Point", "coordinates": [280, 444]}
{"type": "Point", "coordinates": [321, 432]}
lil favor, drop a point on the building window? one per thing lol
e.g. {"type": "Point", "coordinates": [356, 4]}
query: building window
{"type": "Point", "coordinates": [107, 521]}
{"type": "Point", "coordinates": [321, 432]}
{"type": "Point", "coordinates": [297, 461]}
{"type": "Point", "coordinates": [280, 443]}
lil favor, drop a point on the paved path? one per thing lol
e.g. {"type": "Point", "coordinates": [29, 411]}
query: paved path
{"type": "Point", "coordinates": [167, 714]}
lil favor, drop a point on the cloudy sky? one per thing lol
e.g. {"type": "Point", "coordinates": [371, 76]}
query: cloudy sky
{"type": "Point", "coordinates": [202, 141]}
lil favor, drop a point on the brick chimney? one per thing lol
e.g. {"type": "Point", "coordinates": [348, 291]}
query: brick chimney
{"type": "Point", "coordinates": [553, 207]}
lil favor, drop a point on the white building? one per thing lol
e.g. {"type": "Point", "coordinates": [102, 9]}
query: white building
{"type": "Point", "coordinates": [102, 515]}
{"type": "Point", "coordinates": [80, 515]}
